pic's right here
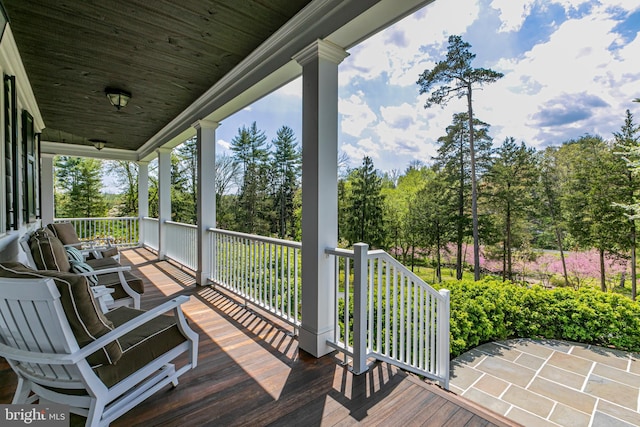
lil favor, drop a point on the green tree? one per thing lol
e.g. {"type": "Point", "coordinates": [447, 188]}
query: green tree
{"type": "Point", "coordinates": [627, 146]}
{"type": "Point", "coordinates": [457, 78]}
{"type": "Point", "coordinates": [186, 170]}
{"type": "Point", "coordinates": [286, 166]}
{"type": "Point", "coordinates": [454, 162]}
{"type": "Point", "coordinates": [251, 154]}
{"type": "Point", "coordinates": [589, 194]}
{"type": "Point", "coordinates": [431, 214]}
{"type": "Point", "coordinates": [509, 184]}
{"type": "Point", "coordinates": [126, 176]}
{"type": "Point", "coordinates": [402, 231]}
{"type": "Point", "coordinates": [79, 182]}
{"type": "Point", "coordinates": [548, 198]}
{"type": "Point", "coordinates": [364, 206]}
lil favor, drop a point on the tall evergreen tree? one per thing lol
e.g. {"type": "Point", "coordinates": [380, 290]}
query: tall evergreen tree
{"type": "Point", "coordinates": [251, 154]}
{"type": "Point", "coordinates": [286, 166]}
{"type": "Point", "coordinates": [365, 205]}
{"type": "Point", "coordinates": [456, 69]}
{"type": "Point", "coordinates": [627, 146]}
{"type": "Point", "coordinates": [589, 194]}
{"type": "Point", "coordinates": [509, 183]}
{"type": "Point", "coordinates": [454, 162]}
{"type": "Point", "coordinates": [79, 181]}
{"type": "Point", "coordinates": [187, 175]}
{"type": "Point", "coordinates": [550, 182]}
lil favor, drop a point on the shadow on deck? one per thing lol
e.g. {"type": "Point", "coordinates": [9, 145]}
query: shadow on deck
{"type": "Point", "coordinates": [251, 372]}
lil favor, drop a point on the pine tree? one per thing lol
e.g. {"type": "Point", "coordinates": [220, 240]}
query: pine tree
{"type": "Point", "coordinates": [454, 162]}
{"type": "Point", "coordinates": [251, 154]}
{"type": "Point", "coordinates": [627, 146]}
{"type": "Point", "coordinates": [364, 206]}
{"type": "Point", "coordinates": [286, 166]}
{"type": "Point", "coordinates": [457, 68]}
{"type": "Point", "coordinates": [509, 182]}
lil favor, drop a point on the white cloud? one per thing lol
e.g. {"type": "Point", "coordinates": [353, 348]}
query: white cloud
{"type": "Point", "coordinates": [356, 115]}
{"type": "Point", "coordinates": [572, 82]}
{"type": "Point", "coordinates": [512, 13]}
{"type": "Point", "coordinates": [396, 52]}
{"type": "Point", "coordinates": [223, 144]}
{"type": "Point", "coordinates": [576, 60]}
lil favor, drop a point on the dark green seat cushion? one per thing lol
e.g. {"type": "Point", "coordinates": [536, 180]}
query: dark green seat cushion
{"type": "Point", "coordinates": [140, 346]}
{"type": "Point", "coordinates": [83, 313]}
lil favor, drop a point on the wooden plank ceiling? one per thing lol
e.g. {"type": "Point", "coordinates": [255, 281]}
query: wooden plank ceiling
{"type": "Point", "coordinates": [165, 52]}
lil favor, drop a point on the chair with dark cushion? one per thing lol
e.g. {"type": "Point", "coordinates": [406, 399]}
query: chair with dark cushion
{"type": "Point", "coordinates": [65, 350]}
{"type": "Point", "coordinates": [46, 252]}
{"type": "Point", "coordinates": [96, 248]}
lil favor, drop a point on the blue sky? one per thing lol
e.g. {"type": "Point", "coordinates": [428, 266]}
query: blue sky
{"type": "Point", "coordinates": [571, 67]}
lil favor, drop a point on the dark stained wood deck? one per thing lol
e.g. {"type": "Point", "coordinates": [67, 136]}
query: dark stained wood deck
{"type": "Point", "coordinates": [251, 373]}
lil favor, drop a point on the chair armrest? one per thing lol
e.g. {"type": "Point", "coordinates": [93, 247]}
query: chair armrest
{"type": "Point", "coordinates": [105, 271]}
{"type": "Point", "coordinates": [67, 359]}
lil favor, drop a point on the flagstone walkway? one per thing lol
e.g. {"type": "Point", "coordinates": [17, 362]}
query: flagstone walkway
{"type": "Point", "coordinates": [550, 383]}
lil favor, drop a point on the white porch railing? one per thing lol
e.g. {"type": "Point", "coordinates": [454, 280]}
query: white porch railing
{"type": "Point", "coordinates": [264, 271]}
{"type": "Point", "coordinates": [383, 310]}
{"type": "Point", "coordinates": [122, 230]}
{"type": "Point", "coordinates": [182, 243]}
{"type": "Point", "coordinates": [150, 232]}
{"type": "Point", "coordinates": [387, 312]}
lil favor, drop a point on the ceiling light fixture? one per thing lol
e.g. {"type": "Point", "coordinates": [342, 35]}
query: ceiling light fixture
{"type": "Point", "coordinates": [98, 143]}
{"type": "Point", "coordinates": [117, 97]}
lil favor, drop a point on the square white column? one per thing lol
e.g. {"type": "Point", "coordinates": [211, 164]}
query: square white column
{"type": "Point", "coordinates": [47, 203]}
{"type": "Point", "coordinates": [319, 191]}
{"type": "Point", "coordinates": [164, 198]}
{"type": "Point", "coordinates": [206, 214]}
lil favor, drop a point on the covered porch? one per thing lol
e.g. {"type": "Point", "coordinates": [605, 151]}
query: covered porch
{"type": "Point", "coordinates": [277, 364]}
{"type": "Point", "coordinates": [251, 371]}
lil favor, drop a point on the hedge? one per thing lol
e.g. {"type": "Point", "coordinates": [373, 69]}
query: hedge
{"type": "Point", "coordinates": [490, 310]}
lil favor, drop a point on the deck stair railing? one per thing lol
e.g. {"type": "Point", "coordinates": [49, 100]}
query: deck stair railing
{"type": "Point", "coordinates": [388, 313]}
{"type": "Point", "coordinates": [122, 231]}
{"type": "Point", "coordinates": [264, 271]}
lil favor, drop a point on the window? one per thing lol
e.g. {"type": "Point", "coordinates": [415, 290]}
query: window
{"type": "Point", "coordinates": [30, 182]}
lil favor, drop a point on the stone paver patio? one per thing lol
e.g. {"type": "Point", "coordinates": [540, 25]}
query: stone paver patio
{"type": "Point", "coordinates": [551, 383]}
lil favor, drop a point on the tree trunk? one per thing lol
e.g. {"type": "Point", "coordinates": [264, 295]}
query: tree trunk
{"type": "Point", "coordinates": [474, 193]}
{"type": "Point", "coordinates": [603, 283]}
{"type": "Point", "coordinates": [504, 260]}
{"type": "Point", "coordinates": [460, 230]}
{"type": "Point", "coordinates": [509, 255]}
{"type": "Point", "coordinates": [438, 266]}
{"type": "Point", "coordinates": [634, 277]}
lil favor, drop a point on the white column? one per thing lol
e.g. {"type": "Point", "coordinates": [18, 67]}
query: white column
{"type": "Point", "coordinates": [47, 204]}
{"type": "Point", "coordinates": [164, 198]}
{"type": "Point", "coordinates": [319, 191]}
{"type": "Point", "coordinates": [143, 198]}
{"type": "Point", "coordinates": [206, 146]}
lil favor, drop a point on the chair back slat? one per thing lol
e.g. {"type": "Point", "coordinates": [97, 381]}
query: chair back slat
{"type": "Point", "coordinates": [36, 323]}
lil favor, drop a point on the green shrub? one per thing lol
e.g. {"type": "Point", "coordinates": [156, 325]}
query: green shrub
{"type": "Point", "coordinates": [491, 310]}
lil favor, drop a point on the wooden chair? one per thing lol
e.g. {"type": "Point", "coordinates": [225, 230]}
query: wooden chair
{"type": "Point", "coordinates": [124, 288]}
{"type": "Point", "coordinates": [64, 350]}
{"type": "Point", "coordinates": [97, 248]}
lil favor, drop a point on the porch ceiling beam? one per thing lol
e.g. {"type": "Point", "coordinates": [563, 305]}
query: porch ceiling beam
{"type": "Point", "coordinates": [48, 147]}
